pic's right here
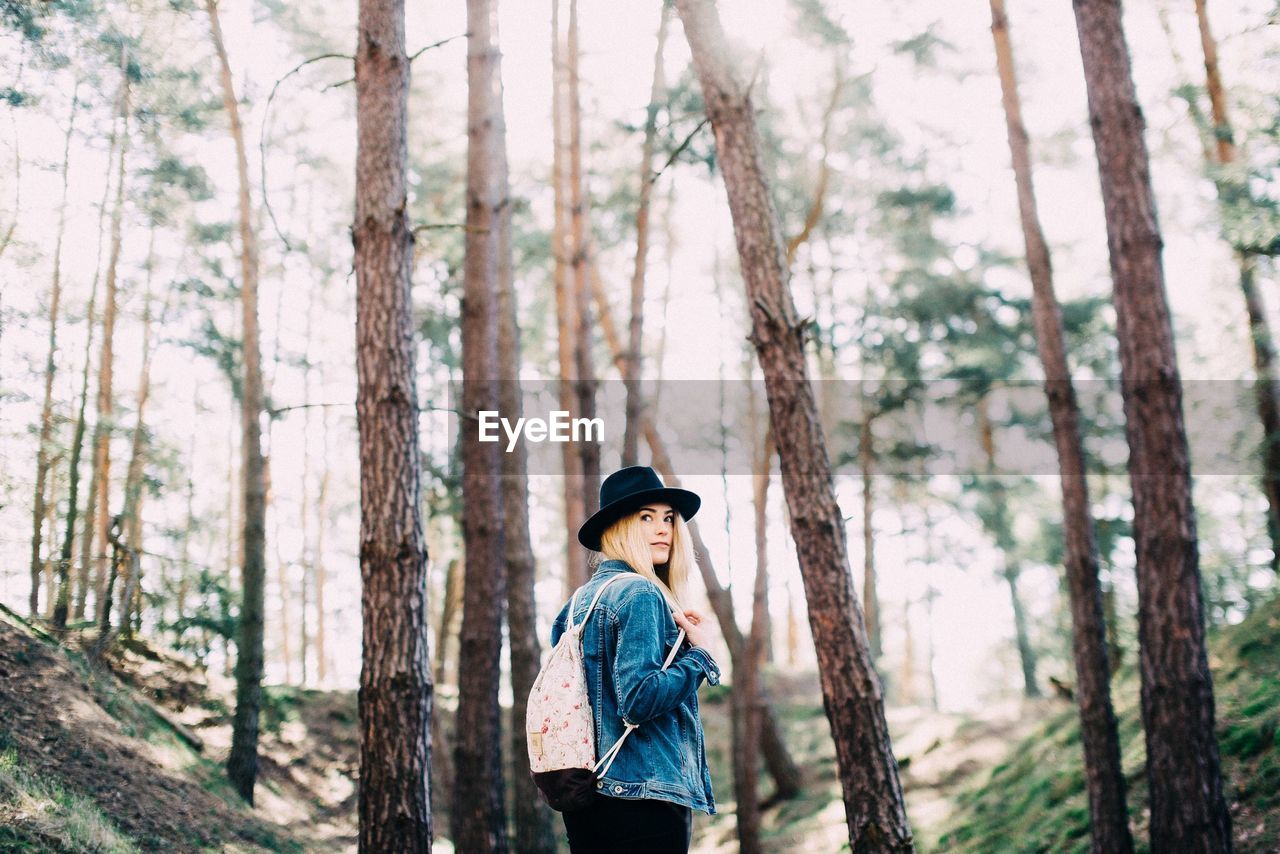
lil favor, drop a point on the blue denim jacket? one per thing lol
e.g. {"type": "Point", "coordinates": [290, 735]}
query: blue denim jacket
{"type": "Point", "coordinates": [624, 645]}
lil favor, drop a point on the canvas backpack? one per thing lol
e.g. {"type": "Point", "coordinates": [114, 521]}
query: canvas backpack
{"type": "Point", "coordinates": [559, 727]}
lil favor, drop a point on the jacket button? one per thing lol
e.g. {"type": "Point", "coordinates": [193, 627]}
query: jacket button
{"type": "Point", "coordinates": [617, 790]}
{"type": "Point", "coordinates": [599, 784]}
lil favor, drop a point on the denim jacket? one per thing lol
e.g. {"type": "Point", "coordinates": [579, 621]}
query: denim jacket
{"type": "Point", "coordinates": [624, 645]}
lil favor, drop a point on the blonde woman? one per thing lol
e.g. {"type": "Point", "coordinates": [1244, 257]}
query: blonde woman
{"type": "Point", "coordinates": [646, 792]}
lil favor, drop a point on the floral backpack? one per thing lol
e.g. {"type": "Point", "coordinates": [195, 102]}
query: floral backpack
{"type": "Point", "coordinates": [559, 726]}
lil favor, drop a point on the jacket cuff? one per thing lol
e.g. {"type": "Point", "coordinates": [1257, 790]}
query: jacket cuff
{"type": "Point", "coordinates": [708, 664]}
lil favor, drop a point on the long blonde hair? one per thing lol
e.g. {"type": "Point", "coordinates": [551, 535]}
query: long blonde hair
{"type": "Point", "coordinates": [625, 540]}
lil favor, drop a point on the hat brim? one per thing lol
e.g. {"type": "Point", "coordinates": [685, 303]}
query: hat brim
{"type": "Point", "coordinates": [685, 502]}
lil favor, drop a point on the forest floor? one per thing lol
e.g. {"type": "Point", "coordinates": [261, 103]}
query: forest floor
{"type": "Point", "coordinates": [130, 759]}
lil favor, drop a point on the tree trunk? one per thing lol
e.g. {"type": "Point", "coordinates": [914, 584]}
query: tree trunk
{"type": "Point", "coordinates": [96, 521]}
{"type": "Point", "coordinates": [870, 599]}
{"type": "Point", "coordinates": [631, 376]}
{"type": "Point", "coordinates": [50, 370]}
{"type": "Point", "coordinates": [1002, 531]}
{"type": "Point", "coordinates": [534, 821]}
{"type": "Point", "coordinates": [1188, 811]}
{"type": "Point", "coordinates": [133, 494]}
{"type": "Point", "coordinates": [874, 808]}
{"type": "Point", "coordinates": [476, 812]}
{"type": "Point", "coordinates": [395, 676]}
{"type": "Point", "coordinates": [242, 763]}
{"type": "Point", "coordinates": [746, 695]}
{"type": "Point", "coordinates": [584, 374]}
{"type": "Point", "coordinates": [567, 312]}
{"type": "Point", "coordinates": [1109, 822]}
{"type": "Point", "coordinates": [1264, 355]}
{"type": "Point", "coordinates": [318, 570]}
{"type": "Point", "coordinates": [782, 767]}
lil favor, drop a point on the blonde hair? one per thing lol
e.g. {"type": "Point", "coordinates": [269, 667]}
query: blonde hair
{"type": "Point", "coordinates": [625, 540]}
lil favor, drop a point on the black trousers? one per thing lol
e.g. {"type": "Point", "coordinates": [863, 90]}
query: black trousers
{"type": "Point", "coordinates": [622, 826]}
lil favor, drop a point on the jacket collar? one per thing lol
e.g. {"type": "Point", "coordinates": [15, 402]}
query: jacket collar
{"type": "Point", "coordinates": [612, 566]}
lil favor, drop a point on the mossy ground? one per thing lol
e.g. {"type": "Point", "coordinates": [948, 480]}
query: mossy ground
{"type": "Point", "coordinates": [1035, 800]}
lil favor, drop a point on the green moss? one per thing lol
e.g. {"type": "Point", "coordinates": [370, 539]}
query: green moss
{"type": "Point", "coordinates": [1035, 799]}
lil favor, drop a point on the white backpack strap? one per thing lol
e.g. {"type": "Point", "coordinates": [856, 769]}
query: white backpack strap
{"type": "Point", "coordinates": [612, 753]}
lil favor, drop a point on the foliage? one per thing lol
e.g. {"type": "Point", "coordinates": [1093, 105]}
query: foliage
{"type": "Point", "coordinates": [1036, 798]}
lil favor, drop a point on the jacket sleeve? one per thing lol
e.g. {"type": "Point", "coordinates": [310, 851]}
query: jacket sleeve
{"type": "Point", "coordinates": [644, 689]}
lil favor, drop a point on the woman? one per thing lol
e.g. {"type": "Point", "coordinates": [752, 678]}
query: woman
{"type": "Point", "coordinates": [645, 796]}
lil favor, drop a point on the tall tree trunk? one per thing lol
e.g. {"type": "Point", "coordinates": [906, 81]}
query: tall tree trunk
{"type": "Point", "coordinates": [567, 312]}
{"type": "Point", "coordinates": [242, 763]}
{"type": "Point", "coordinates": [631, 376]}
{"type": "Point", "coordinates": [584, 374]}
{"type": "Point", "coordinates": [63, 604]}
{"type": "Point", "coordinates": [395, 676]}
{"type": "Point", "coordinates": [534, 821]}
{"type": "Point", "coordinates": [81, 592]}
{"type": "Point", "coordinates": [1231, 190]}
{"type": "Point", "coordinates": [870, 599]}
{"type": "Point", "coordinates": [477, 813]}
{"type": "Point", "coordinates": [782, 767]}
{"type": "Point", "coordinates": [1109, 821]}
{"type": "Point", "coordinates": [50, 370]}
{"type": "Point", "coordinates": [1001, 529]}
{"type": "Point", "coordinates": [1188, 811]}
{"type": "Point", "coordinates": [746, 695]}
{"type": "Point", "coordinates": [852, 695]}
{"type": "Point", "coordinates": [133, 495]}
{"type": "Point", "coordinates": [318, 570]}
{"type": "Point", "coordinates": [96, 521]}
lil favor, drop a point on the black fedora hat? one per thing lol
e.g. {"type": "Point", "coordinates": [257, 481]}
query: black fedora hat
{"type": "Point", "coordinates": [630, 489]}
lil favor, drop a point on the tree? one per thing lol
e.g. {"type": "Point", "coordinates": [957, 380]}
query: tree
{"type": "Point", "coordinates": [567, 312]}
{"type": "Point", "coordinates": [477, 813]}
{"type": "Point", "coordinates": [635, 331]}
{"type": "Point", "coordinates": [242, 762]}
{"type": "Point", "coordinates": [584, 374]}
{"type": "Point", "coordinates": [50, 368]}
{"type": "Point", "coordinates": [852, 695]}
{"type": "Point", "coordinates": [1233, 192]}
{"type": "Point", "coordinates": [534, 821]}
{"type": "Point", "coordinates": [1104, 777]}
{"type": "Point", "coordinates": [395, 677]}
{"type": "Point", "coordinates": [1188, 811]}
{"type": "Point", "coordinates": [96, 519]}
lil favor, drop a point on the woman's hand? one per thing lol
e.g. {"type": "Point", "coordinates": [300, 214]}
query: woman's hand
{"type": "Point", "coordinates": [695, 627]}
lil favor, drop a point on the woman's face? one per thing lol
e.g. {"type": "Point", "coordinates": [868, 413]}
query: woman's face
{"type": "Point", "coordinates": [658, 521]}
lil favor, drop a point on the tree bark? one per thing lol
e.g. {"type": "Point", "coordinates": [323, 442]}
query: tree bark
{"type": "Point", "coordinates": [395, 677]}
{"type": "Point", "coordinates": [50, 371]}
{"type": "Point", "coordinates": [1104, 777]}
{"type": "Point", "coordinates": [584, 364]}
{"type": "Point", "coordinates": [1188, 811]}
{"type": "Point", "coordinates": [242, 762]}
{"type": "Point", "coordinates": [567, 311]}
{"type": "Point", "coordinates": [477, 811]}
{"type": "Point", "coordinates": [874, 808]}
{"type": "Point", "coordinates": [631, 375]}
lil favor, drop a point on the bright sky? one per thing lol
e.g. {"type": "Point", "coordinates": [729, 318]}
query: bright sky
{"type": "Point", "coordinates": [958, 121]}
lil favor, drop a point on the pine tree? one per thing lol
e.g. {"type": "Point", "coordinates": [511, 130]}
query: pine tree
{"type": "Point", "coordinates": [1188, 811]}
